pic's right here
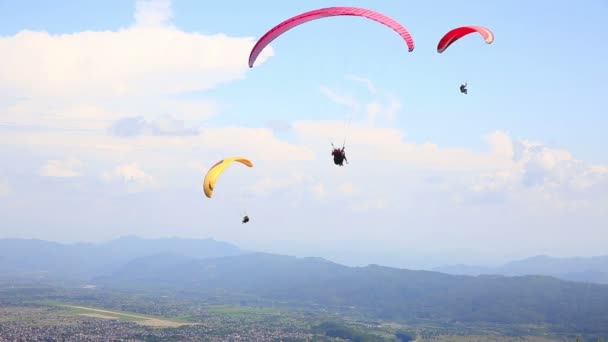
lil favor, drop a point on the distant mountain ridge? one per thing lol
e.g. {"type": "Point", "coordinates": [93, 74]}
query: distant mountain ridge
{"type": "Point", "coordinates": [381, 292]}
{"type": "Point", "coordinates": [81, 261]}
{"type": "Point", "coordinates": [211, 269]}
{"type": "Point", "coordinates": [584, 269]}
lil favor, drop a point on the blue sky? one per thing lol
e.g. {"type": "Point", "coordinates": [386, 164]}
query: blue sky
{"type": "Point", "coordinates": [541, 79]}
{"type": "Point", "coordinates": [109, 123]}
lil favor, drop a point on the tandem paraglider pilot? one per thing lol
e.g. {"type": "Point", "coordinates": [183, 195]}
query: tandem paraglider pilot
{"type": "Point", "coordinates": [339, 156]}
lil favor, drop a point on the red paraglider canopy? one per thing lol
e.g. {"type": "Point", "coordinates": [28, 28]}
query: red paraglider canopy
{"type": "Point", "coordinates": [460, 32]}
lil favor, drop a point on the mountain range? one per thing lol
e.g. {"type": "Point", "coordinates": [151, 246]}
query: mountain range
{"type": "Point", "coordinates": [81, 261]}
{"type": "Point", "coordinates": [583, 269]}
{"type": "Point", "coordinates": [206, 268]}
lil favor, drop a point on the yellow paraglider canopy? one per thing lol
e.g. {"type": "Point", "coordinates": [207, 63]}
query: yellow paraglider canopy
{"type": "Point", "coordinates": [216, 170]}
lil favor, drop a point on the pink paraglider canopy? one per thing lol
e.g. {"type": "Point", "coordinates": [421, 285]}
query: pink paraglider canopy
{"type": "Point", "coordinates": [328, 12]}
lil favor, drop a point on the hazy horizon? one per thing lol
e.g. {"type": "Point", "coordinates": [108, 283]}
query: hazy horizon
{"type": "Point", "coordinates": [349, 256]}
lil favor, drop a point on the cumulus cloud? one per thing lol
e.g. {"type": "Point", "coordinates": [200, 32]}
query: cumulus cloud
{"type": "Point", "coordinates": [153, 13]}
{"type": "Point", "coordinates": [297, 184]}
{"type": "Point", "coordinates": [541, 165]}
{"type": "Point", "coordinates": [200, 167]}
{"type": "Point", "coordinates": [138, 60]}
{"type": "Point", "coordinates": [319, 190]}
{"type": "Point", "coordinates": [134, 126]}
{"type": "Point", "coordinates": [52, 115]}
{"type": "Point", "coordinates": [4, 188]}
{"type": "Point", "coordinates": [62, 168]}
{"type": "Point", "coordinates": [270, 185]}
{"type": "Point", "coordinates": [258, 144]}
{"type": "Point", "coordinates": [500, 143]}
{"type": "Point", "coordinates": [389, 144]}
{"type": "Point", "coordinates": [278, 125]}
{"type": "Point", "coordinates": [93, 78]}
{"type": "Point", "coordinates": [370, 204]}
{"type": "Point", "coordinates": [131, 175]}
{"type": "Point", "coordinates": [347, 188]}
{"type": "Point", "coordinates": [535, 167]}
{"type": "Point", "coordinates": [152, 59]}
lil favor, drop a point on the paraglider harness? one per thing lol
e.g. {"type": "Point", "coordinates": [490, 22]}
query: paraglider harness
{"type": "Point", "coordinates": [463, 88]}
{"type": "Point", "coordinates": [339, 155]}
{"type": "Point", "coordinates": [245, 219]}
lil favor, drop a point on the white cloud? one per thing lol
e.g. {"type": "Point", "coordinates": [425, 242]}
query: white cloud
{"type": "Point", "coordinates": [501, 143]}
{"type": "Point", "coordinates": [367, 82]}
{"type": "Point", "coordinates": [62, 168]}
{"type": "Point", "coordinates": [319, 190]}
{"type": "Point", "coordinates": [592, 178]}
{"type": "Point", "coordinates": [509, 169]}
{"type": "Point", "coordinates": [347, 188]}
{"type": "Point", "coordinates": [366, 143]}
{"type": "Point", "coordinates": [153, 13]}
{"type": "Point", "coordinates": [87, 80]}
{"type": "Point", "coordinates": [58, 116]}
{"type": "Point", "coordinates": [392, 108]}
{"type": "Point", "coordinates": [148, 60]}
{"type": "Point", "coordinates": [491, 182]}
{"type": "Point", "coordinates": [371, 204]}
{"type": "Point", "coordinates": [296, 182]}
{"type": "Point", "coordinates": [278, 125]}
{"type": "Point", "coordinates": [345, 100]}
{"type": "Point", "coordinates": [200, 167]}
{"type": "Point", "coordinates": [537, 170]}
{"type": "Point", "coordinates": [189, 110]}
{"type": "Point", "coordinates": [384, 107]}
{"type": "Point", "coordinates": [377, 110]}
{"type": "Point", "coordinates": [134, 126]}
{"type": "Point", "coordinates": [373, 110]}
{"type": "Point", "coordinates": [4, 188]}
{"type": "Point", "coordinates": [213, 144]}
{"type": "Point", "coordinates": [131, 175]}
{"type": "Point", "coordinates": [269, 185]}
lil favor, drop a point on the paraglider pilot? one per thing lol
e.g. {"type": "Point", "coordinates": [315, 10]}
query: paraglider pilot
{"type": "Point", "coordinates": [245, 219]}
{"type": "Point", "coordinates": [339, 155]}
{"type": "Point", "coordinates": [463, 88]}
